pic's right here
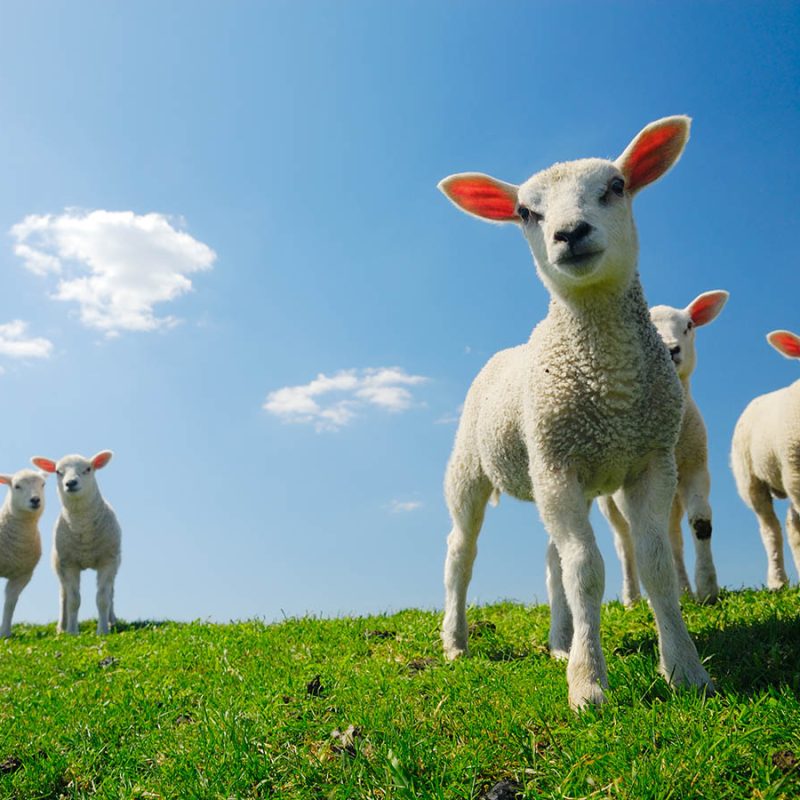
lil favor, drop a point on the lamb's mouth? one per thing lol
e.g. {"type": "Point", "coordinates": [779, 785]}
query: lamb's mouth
{"type": "Point", "coordinates": [578, 263]}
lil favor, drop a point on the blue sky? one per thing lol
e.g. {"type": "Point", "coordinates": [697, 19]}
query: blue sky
{"type": "Point", "coordinates": [205, 203]}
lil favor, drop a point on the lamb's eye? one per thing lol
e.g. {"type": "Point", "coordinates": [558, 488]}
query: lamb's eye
{"type": "Point", "coordinates": [17, 486]}
{"type": "Point", "coordinates": [689, 326]}
{"type": "Point", "coordinates": [87, 470]}
{"type": "Point", "coordinates": [617, 185]}
{"type": "Point", "coordinates": [60, 473]}
{"type": "Point", "coordinates": [529, 215]}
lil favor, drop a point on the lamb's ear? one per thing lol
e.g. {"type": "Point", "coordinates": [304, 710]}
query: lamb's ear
{"type": "Point", "coordinates": [101, 459]}
{"type": "Point", "coordinates": [44, 463]}
{"type": "Point", "coordinates": [706, 307]}
{"type": "Point", "coordinates": [482, 196]}
{"type": "Point", "coordinates": [785, 342]}
{"type": "Point", "coordinates": [6, 479]}
{"type": "Point", "coordinates": [654, 150]}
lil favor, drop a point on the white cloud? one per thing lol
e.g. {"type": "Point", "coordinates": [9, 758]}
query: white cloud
{"type": "Point", "coordinates": [451, 418]}
{"type": "Point", "coordinates": [116, 265]}
{"type": "Point", "coordinates": [404, 506]}
{"type": "Point", "coordinates": [14, 342]}
{"type": "Point", "coordinates": [330, 402]}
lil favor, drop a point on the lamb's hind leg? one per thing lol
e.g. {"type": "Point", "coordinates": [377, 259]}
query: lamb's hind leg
{"type": "Point", "coordinates": [760, 500]}
{"type": "Point", "coordinates": [623, 544]}
{"type": "Point", "coordinates": [793, 525]}
{"type": "Point", "coordinates": [560, 638]}
{"type": "Point", "coordinates": [646, 503]}
{"type": "Point", "coordinates": [466, 496]}
{"type": "Point", "coordinates": [694, 489]}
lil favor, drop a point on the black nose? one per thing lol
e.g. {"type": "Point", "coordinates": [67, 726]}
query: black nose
{"type": "Point", "coordinates": [674, 351]}
{"type": "Point", "coordinates": [572, 237]}
{"type": "Point", "coordinates": [35, 502]}
{"type": "Point", "coordinates": [71, 484]}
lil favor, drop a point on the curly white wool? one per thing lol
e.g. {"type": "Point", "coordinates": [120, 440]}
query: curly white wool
{"type": "Point", "coordinates": [86, 536]}
{"type": "Point", "coordinates": [765, 457]}
{"type": "Point", "coordinates": [677, 328]}
{"type": "Point", "coordinates": [20, 542]}
{"type": "Point", "coordinates": [590, 405]}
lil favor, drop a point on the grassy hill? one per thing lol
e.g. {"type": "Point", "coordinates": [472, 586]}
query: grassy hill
{"type": "Point", "coordinates": [368, 708]}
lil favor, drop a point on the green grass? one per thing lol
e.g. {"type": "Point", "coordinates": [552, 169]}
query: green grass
{"type": "Point", "coordinates": [236, 711]}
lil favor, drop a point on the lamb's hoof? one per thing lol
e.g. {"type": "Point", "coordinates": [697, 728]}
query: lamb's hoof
{"type": "Point", "coordinates": [454, 650]}
{"type": "Point", "coordinates": [777, 582]}
{"type": "Point", "coordinates": [707, 596]}
{"type": "Point", "coordinates": [584, 695]}
{"type": "Point", "coordinates": [694, 677]}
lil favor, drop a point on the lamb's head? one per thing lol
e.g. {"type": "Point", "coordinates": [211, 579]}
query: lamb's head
{"type": "Point", "coordinates": [75, 474]}
{"type": "Point", "coordinates": [785, 342]}
{"type": "Point", "coordinates": [26, 491]}
{"type": "Point", "coordinates": [677, 327]}
{"type": "Point", "coordinates": [577, 215]}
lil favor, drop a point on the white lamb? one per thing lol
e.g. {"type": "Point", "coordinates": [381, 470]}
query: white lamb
{"type": "Point", "coordinates": [677, 327]}
{"type": "Point", "coordinates": [86, 536]}
{"type": "Point", "coordinates": [589, 406]}
{"type": "Point", "coordinates": [20, 543]}
{"type": "Point", "coordinates": [765, 457]}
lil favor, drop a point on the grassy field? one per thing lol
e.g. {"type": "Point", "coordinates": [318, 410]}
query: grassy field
{"type": "Point", "coordinates": [368, 708]}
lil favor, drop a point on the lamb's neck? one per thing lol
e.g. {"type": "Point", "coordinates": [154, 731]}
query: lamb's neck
{"type": "Point", "coordinates": [82, 507]}
{"type": "Point", "coordinates": [605, 312]}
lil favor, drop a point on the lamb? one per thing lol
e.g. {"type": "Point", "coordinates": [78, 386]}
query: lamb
{"type": "Point", "coordinates": [20, 543]}
{"type": "Point", "coordinates": [591, 405]}
{"type": "Point", "coordinates": [86, 536]}
{"type": "Point", "coordinates": [765, 457]}
{"type": "Point", "coordinates": [677, 327]}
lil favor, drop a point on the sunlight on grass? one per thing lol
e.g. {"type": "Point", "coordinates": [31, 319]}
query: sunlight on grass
{"type": "Point", "coordinates": [368, 708]}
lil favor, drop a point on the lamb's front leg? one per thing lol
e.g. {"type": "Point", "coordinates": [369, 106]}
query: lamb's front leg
{"type": "Point", "coordinates": [565, 514]}
{"type": "Point", "coordinates": [646, 502]}
{"type": "Point", "coordinates": [467, 495]}
{"type": "Point", "coordinates": [105, 594]}
{"type": "Point", "coordinates": [694, 489]}
{"type": "Point", "coordinates": [13, 588]}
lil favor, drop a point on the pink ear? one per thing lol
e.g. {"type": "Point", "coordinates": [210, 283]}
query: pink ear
{"type": "Point", "coordinates": [44, 463]}
{"type": "Point", "coordinates": [785, 342]}
{"type": "Point", "coordinates": [654, 150]}
{"type": "Point", "coordinates": [706, 307]}
{"type": "Point", "coordinates": [101, 459]}
{"type": "Point", "coordinates": [483, 196]}
{"type": "Point", "coordinates": [6, 479]}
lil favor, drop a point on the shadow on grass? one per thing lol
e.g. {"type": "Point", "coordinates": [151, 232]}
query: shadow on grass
{"type": "Point", "coordinates": [139, 624]}
{"type": "Point", "coordinates": [749, 658]}
{"type": "Point", "coordinates": [746, 658]}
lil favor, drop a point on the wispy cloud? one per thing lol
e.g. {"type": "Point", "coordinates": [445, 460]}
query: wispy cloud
{"type": "Point", "coordinates": [404, 506]}
{"type": "Point", "coordinates": [116, 265]}
{"type": "Point", "coordinates": [451, 418]}
{"type": "Point", "coordinates": [330, 402]}
{"type": "Point", "coordinates": [15, 343]}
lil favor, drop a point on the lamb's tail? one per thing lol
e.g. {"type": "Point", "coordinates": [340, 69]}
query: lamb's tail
{"type": "Point", "coordinates": [494, 497]}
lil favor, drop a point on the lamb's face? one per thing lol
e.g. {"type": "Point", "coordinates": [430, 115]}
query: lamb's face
{"type": "Point", "coordinates": [75, 473]}
{"type": "Point", "coordinates": [75, 476]}
{"type": "Point", "coordinates": [577, 219]}
{"type": "Point", "coordinates": [676, 327]}
{"type": "Point", "coordinates": [26, 491]}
